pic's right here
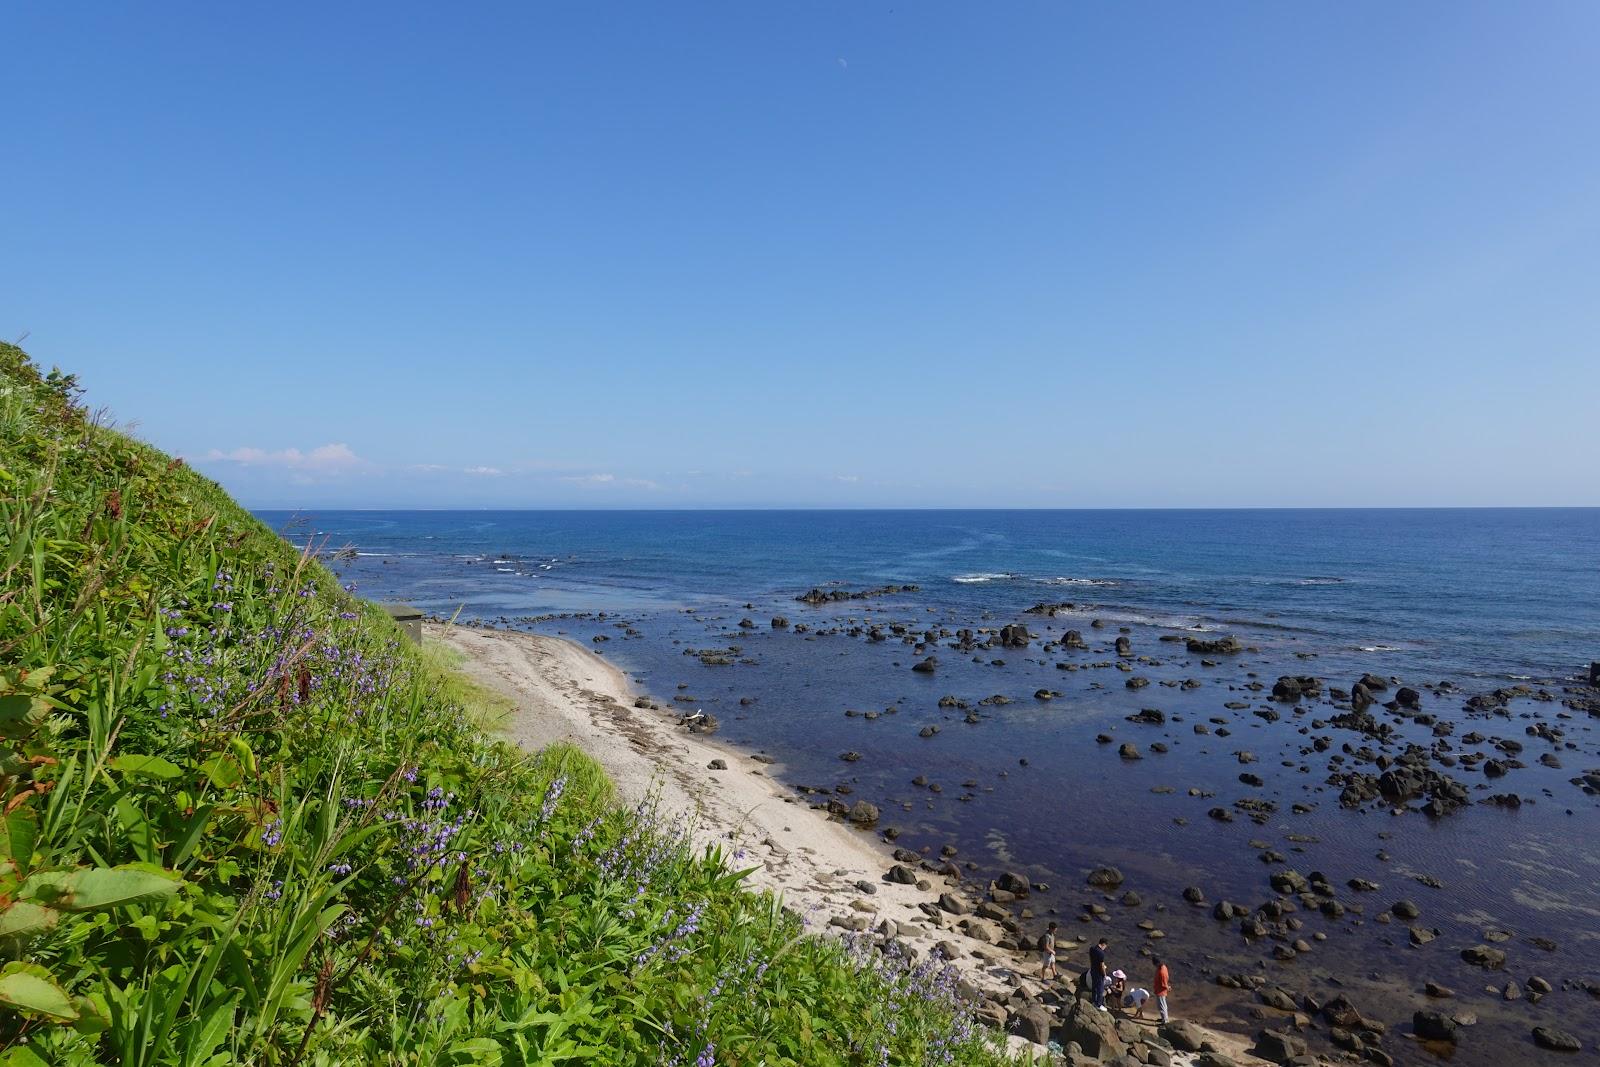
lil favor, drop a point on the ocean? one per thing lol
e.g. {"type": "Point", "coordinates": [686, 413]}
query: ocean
{"type": "Point", "coordinates": [1227, 786]}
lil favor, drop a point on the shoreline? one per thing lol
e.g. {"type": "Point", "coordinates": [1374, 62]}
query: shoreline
{"type": "Point", "coordinates": [824, 868]}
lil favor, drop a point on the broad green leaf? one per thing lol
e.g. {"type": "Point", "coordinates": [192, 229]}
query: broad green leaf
{"type": "Point", "coordinates": [28, 988]}
{"type": "Point", "coordinates": [141, 831]}
{"type": "Point", "coordinates": [206, 1034]}
{"type": "Point", "coordinates": [146, 766]}
{"type": "Point", "coordinates": [189, 834]}
{"type": "Point", "coordinates": [24, 919]}
{"type": "Point", "coordinates": [22, 1056]}
{"type": "Point", "coordinates": [100, 888]}
{"type": "Point", "coordinates": [223, 772]}
{"type": "Point", "coordinates": [94, 1014]}
{"type": "Point", "coordinates": [17, 836]}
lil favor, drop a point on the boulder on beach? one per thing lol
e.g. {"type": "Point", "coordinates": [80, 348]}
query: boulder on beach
{"type": "Point", "coordinates": [863, 813]}
{"type": "Point", "coordinates": [1092, 1030]}
{"type": "Point", "coordinates": [1278, 1046]}
{"type": "Point", "coordinates": [1034, 1022]}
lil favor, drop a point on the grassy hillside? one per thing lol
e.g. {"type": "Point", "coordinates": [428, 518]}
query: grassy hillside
{"type": "Point", "coordinates": [245, 823]}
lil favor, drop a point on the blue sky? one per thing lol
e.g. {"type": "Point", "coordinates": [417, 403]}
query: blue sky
{"type": "Point", "coordinates": [852, 254]}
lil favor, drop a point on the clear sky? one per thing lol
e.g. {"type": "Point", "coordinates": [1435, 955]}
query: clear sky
{"type": "Point", "coordinates": [820, 253]}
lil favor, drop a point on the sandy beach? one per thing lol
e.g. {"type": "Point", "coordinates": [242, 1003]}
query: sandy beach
{"type": "Point", "coordinates": [822, 867]}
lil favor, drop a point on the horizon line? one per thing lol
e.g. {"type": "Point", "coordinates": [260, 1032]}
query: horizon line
{"type": "Point", "coordinates": [941, 507]}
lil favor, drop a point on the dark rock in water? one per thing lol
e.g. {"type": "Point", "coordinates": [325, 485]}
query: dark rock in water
{"type": "Point", "coordinates": [1221, 646]}
{"type": "Point", "coordinates": [1014, 636]}
{"type": "Point", "coordinates": [927, 666]}
{"type": "Point", "coordinates": [1491, 959]}
{"type": "Point", "coordinates": [826, 596]}
{"type": "Point", "coordinates": [780, 623]}
{"type": "Point", "coordinates": [1124, 647]}
{"type": "Point", "coordinates": [1012, 882]}
{"type": "Point", "coordinates": [1137, 682]}
{"type": "Point", "coordinates": [1361, 697]}
{"type": "Point", "coordinates": [863, 813]}
{"type": "Point", "coordinates": [927, 731]}
{"type": "Point", "coordinates": [1339, 1011]}
{"type": "Point", "coordinates": [1290, 689]}
{"type": "Point", "coordinates": [850, 757]}
{"type": "Point", "coordinates": [1437, 991]}
{"type": "Point", "coordinates": [1073, 639]}
{"type": "Point", "coordinates": [1556, 1040]}
{"type": "Point", "coordinates": [1150, 717]}
{"type": "Point", "coordinates": [1129, 751]}
{"type": "Point", "coordinates": [1194, 894]}
{"type": "Point", "coordinates": [1433, 1026]}
{"type": "Point", "coordinates": [1290, 881]}
{"type": "Point", "coordinates": [1274, 997]}
{"type": "Point", "coordinates": [1408, 698]}
{"type": "Point", "coordinates": [1105, 877]}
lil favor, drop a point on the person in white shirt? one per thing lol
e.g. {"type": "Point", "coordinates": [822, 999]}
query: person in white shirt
{"type": "Point", "coordinates": [1135, 998]}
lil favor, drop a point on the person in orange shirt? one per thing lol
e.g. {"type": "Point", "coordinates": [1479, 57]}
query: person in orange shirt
{"type": "Point", "coordinates": [1161, 986]}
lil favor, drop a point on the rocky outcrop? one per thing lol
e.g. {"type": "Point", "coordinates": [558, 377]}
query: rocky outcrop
{"type": "Point", "coordinates": [815, 596]}
{"type": "Point", "coordinates": [1220, 646]}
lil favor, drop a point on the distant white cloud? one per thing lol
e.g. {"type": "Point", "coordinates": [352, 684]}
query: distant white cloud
{"type": "Point", "coordinates": [591, 481]}
{"type": "Point", "coordinates": [847, 477]}
{"type": "Point", "coordinates": [324, 459]}
{"type": "Point", "coordinates": [484, 472]}
{"type": "Point", "coordinates": [428, 468]}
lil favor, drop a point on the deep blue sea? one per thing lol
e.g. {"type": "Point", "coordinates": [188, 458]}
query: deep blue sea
{"type": "Point", "coordinates": [1024, 743]}
{"type": "Point", "coordinates": [1471, 593]}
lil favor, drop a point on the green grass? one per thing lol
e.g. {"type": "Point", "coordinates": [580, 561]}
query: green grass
{"type": "Point", "coordinates": [245, 823]}
{"type": "Point", "coordinates": [487, 708]}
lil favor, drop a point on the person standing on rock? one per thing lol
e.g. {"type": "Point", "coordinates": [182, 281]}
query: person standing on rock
{"type": "Point", "coordinates": [1161, 986]}
{"type": "Point", "coordinates": [1097, 972]}
{"type": "Point", "coordinates": [1047, 953]}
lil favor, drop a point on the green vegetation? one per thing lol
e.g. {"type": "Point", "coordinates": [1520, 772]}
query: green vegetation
{"type": "Point", "coordinates": [245, 823]}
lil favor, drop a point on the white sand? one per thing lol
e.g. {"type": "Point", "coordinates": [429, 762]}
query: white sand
{"type": "Point", "coordinates": [564, 692]}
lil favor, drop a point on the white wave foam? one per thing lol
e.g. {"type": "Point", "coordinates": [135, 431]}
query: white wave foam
{"type": "Point", "coordinates": [1381, 648]}
{"type": "Point", "coordinates": [971, 579]}
{"type": "Point", "coordinates": [1104, 582]}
